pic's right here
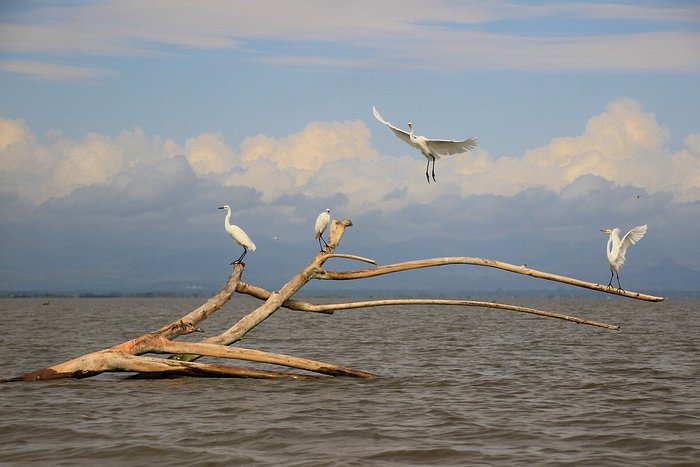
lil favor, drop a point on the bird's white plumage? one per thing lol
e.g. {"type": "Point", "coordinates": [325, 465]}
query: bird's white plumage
{"type": "Point", "coordinates": [238, 235]}
{"type": "Point", "coordinates": [322, 222]}
{"type": "Point", "coordinates": [617, 249]}
{"type": "Point", "coordinates": [429, 147]}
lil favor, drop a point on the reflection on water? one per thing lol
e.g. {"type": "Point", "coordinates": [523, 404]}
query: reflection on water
{"type": "Point", "coordinates": [457, 386]}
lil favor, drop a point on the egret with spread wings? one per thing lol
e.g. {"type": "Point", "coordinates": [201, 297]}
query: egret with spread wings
{"type": "Point", "coordinates": [617, 249]}
{"type": "Point", "coordinates": [432, 149]}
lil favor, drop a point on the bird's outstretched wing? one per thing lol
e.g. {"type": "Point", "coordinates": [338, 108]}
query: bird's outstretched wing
{"type": "Point", "coordinates": [630, 238]}
{"type": "Point", "coordinates": [447, 147]}
{"type": "Point", "coordinates": [397, 131]}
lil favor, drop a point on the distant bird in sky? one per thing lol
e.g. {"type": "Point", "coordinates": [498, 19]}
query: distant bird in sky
{"type": "Point", "coordinates": [432, 149]}
{"type": "Point", "coordinates": [617, 249]}
{"type": "Point", "coordinates": [322, 222]}
{"type": "Point", "coordinates": [237, 234]}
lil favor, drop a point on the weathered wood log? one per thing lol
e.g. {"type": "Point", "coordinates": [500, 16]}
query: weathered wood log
{"type": "Point", "coordinates": [428, 263]}
{"type": "Point", "coordinates": [129, 356]}
{"type": "Point", "coordinates": [163, 367]}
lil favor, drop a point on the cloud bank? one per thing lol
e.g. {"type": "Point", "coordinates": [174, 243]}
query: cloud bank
{"type": "Point", "coordinates": [624, 145]}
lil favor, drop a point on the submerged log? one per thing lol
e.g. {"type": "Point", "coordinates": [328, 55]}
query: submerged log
{"type": "Point", "coordinates": [130, 356]}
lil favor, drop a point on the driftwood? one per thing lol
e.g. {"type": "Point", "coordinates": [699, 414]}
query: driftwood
{"type": "Point", "coordinates": [131, 356]}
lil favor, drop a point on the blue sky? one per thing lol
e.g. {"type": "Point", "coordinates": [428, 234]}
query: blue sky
{"type": "Point", "coordinates": [123, 125]}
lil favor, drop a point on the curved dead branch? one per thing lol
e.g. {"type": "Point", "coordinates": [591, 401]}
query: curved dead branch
{"type": "Point", "coordinates": [433, 262]}
{"type": "Point", "coordinates": [329, 308]}
{"type": "Point", "coordinates": [240, 353]}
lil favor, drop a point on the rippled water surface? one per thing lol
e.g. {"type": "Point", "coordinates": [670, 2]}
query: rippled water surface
{"type": "Point", "coordinates": [457, 386]}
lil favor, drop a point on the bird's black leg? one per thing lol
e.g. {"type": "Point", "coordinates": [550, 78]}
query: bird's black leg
{"type": "Point", "coordinates": [320, 237]}
{"type": "Point", "coordinates": [427, 167]}
{"type": "Point", "coordinates": [619, 287]}
{"type": "Point", "coordinates": [612, 274]}
{"type": "Point", "coordinates": [433, 168]}
{"type": "Point", "coordinates": [240, 258]}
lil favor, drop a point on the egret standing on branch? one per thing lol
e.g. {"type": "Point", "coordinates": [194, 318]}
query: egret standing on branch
{"type": "Point", "coordinates": [617, 249]}
{"type": "Point", "coordinates": [430, 148]}
{"type": "Point", "coordinates": [322, 222]}
{"type": "Point", "coordinates": [237, 234]}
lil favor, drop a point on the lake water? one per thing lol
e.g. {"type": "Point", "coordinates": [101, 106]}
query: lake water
{"type": "Point", "coordinates": [457, 386]}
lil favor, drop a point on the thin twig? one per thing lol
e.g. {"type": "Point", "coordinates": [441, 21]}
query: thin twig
{"type": "Point", "coordinates": [357, 258]}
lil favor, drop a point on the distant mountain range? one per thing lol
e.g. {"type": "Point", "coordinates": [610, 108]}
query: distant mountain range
{"type": "Point", "coordinates": [203, 271]}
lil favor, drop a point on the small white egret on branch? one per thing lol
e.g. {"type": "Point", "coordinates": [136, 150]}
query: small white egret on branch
{"type": "Point", "coordinates": [322, 222]}
{"type": "Point", "coordinates": [237, 234]}
{"type": "Point", "coordinates": [617, 249]}
{"type": "Point", "coordinates": [432, 149]}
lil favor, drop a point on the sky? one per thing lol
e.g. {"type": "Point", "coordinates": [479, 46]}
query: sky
{"type": "Point", "coordinates": [124, 125]}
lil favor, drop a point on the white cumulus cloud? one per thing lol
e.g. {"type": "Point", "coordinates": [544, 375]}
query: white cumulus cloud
{"type": "Point", "coordinates": [623, 145]}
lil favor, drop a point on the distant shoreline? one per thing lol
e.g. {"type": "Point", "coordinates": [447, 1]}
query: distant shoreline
{"type": "Point", "coordinates": [468, 294]}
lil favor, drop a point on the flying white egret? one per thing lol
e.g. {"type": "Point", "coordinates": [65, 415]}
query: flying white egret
{"type": "Point", "coordinates": [617, 249]}
{"type": "Point", "coordinates": [430, 148]}
{"type": "Point", "coordinates": [237, 234]}
{"type": "Point", "coordinates": [322, 222]}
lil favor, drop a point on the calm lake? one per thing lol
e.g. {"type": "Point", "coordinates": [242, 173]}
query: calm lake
{"type": "Point", "coordinates": [457, 386]}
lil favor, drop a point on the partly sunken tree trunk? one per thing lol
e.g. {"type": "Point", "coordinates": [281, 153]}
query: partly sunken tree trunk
{"type": "Point", "coordinates": [130, 356]}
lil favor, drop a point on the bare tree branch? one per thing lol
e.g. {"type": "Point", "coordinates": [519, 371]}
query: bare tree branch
{"type": "Point", "coordinates": [160, 367]}
{"type": "Point", "coordinates": [329, 308]}
{"type": "Point", "coordinates": [357, 258]}
{"type": "Point", "coordinates": [433, 262]}
{"type": "Point", "coordinates": [290, 303]}
{"type": "Point", "coordinates": [240, 353]}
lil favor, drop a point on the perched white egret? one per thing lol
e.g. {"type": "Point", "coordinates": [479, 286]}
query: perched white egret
{"type": "Point", "coordinates": [322, 222]}
{"type": "Point", "coordinates": [617, 248]}
{"type": "Point", "coordinates": [430, 148]}
{"type": "Point", "coordinates": [237, 234]}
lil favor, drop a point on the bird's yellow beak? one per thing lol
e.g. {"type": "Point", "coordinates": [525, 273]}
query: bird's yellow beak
{"type": "Point", "coordinates": [607, 231]}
